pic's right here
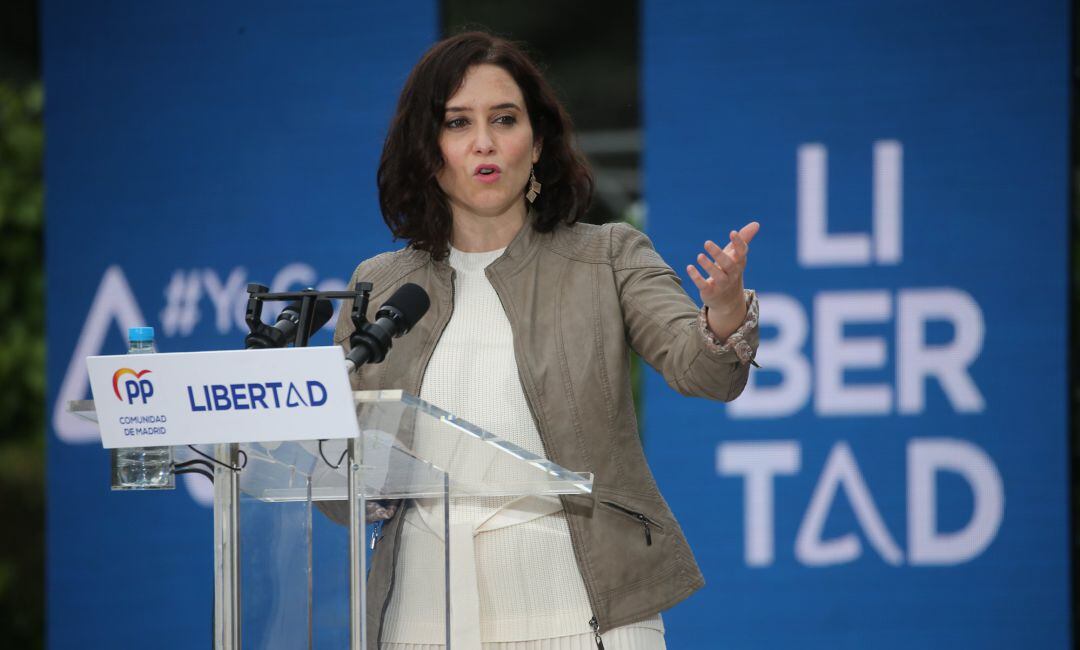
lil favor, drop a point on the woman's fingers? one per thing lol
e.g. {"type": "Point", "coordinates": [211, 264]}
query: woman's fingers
{"type": "Point", "coordinates": [729, 260]}
{"type": "Point", "coordinates": [702, 284]}
{"type": "Point", "coordinates": [718, 269]}
{"type": "Point", "coordinates": [723, 265]}
{"type": "Point", "coordinates": [739, 245]}
{"type": "Point", "coordinates": [720, 255]}
{"type": "Point", "coordinates": [748, 231]}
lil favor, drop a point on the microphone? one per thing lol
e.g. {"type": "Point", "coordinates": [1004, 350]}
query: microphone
{"type": "Point", "coordinates": [395, 318]}
{"type": "Point", "coordinates": [284, 330]}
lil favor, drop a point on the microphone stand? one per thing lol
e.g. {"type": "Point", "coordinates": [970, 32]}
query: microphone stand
{"type": "Point", "coordinates": [259, 294]}
{"type": "Point", "coordinates": [226, 522]}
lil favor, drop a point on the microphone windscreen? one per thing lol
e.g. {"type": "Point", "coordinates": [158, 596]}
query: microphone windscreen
{"type": "Point", "coordinates": [290, 312]}
{"type": "Point", "coordinates": [412, 301]}
{"type": "Point", "coordinates": [321, 315]}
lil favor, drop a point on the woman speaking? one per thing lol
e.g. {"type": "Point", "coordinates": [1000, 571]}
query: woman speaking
{"type": "Point", "coordinates": [532, 320]}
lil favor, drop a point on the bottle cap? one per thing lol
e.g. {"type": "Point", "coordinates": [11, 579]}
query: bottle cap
{"type": "Point", "coordinates": [140, 334]}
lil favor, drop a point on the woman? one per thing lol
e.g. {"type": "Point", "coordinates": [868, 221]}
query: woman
{"type": "Point", "coordinates": [529, 333]}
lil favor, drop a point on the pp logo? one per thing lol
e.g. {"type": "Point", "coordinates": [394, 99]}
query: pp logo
{"type": "Point", "coordinates": [135, 388]}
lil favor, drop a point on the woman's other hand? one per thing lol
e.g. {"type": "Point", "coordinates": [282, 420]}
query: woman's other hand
{"type": "Point", "coordinates": [721, 284]}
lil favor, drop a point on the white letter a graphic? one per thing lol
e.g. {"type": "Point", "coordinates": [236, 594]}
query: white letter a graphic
{"type": "Point", "coordinates": [113, 301]}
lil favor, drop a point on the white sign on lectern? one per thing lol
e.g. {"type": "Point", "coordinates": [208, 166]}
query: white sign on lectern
{"type": "Point", "coordinates": [151, 400]}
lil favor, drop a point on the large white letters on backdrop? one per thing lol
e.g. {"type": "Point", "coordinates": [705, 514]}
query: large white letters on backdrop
{"type": "Point", "coordinates": [760, 463]}
{"type": "Point", "coordinates": [817, 377]}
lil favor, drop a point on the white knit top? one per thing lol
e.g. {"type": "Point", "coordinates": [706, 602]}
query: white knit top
{"type": "Point", "coordinates": [528, 580]}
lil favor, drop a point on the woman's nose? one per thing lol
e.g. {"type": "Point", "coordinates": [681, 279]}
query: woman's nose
{"type": "Point", "coordinates": [484, 143]}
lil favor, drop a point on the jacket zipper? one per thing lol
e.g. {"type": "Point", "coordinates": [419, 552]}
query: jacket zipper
{"type": "Point", "coordinates": [442, 329]}
{"type": "Point", "coordinates": [401, 512]}
{"type": "Point", "coordinates": [647, 523]}
{"type": "Point", "coordinates": [595, 625]}
{"type": "Point", "coordinates": [390, 588]}
{"type": "Point", "coordinates": [376, 534]}
{"type": "Point", "coordinates": [517, 362]}
{"type": "Point", "coordinates": [529, 401]}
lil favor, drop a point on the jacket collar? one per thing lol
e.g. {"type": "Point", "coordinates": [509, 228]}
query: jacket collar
{"type": "Point", "coordinates": [519, 251]}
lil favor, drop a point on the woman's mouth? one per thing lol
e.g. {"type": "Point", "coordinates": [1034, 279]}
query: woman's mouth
{"type": "Point", "coordinates": [487, 173]}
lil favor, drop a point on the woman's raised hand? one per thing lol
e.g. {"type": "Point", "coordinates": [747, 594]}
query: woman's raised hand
{"type": "Point", "coordinates": [721, 285]}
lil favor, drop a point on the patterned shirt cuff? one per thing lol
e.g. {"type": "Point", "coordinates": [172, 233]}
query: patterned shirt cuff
{"type": "Point", "coordinates": [737, 341]}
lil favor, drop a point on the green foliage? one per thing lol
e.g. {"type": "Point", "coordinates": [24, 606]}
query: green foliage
{"type": "Point", "coordinates": [22, 368]}
{"type": "Point", "coordinates": [22, 345]}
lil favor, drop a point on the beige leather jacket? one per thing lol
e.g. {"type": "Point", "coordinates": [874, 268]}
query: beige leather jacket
{"type": "Point", "coordinates": [578, 300]}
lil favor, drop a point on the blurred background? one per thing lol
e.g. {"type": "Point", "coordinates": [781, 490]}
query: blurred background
{"type": "Point", "coordinates": [22, 352]}
{"type": "Point", "coordinates": [166, 123]}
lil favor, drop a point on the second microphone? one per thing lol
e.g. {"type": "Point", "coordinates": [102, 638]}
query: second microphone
{"type": "Point", "coordinates": [396, 317]}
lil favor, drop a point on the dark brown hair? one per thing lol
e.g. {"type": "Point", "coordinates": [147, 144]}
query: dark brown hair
{"type": "Point", "coordinates": [413, 205]}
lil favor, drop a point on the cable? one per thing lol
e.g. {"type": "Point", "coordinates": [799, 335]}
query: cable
{"type": "Point", "coordinates": [189, 463]}
{"type": "Point", "coordinates": [215, 461]}
{"type": "Point", "coordinates": [332, 466]}
{"type": "Point", "coordinates": [195, 470]}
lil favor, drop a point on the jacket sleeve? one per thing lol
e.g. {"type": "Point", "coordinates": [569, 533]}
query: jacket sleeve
{"type": "Point", "coordinates": [661, 323]}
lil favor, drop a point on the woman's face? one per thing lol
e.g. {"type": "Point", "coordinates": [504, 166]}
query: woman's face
{"type": "Point", "coordinates": [487, 145]}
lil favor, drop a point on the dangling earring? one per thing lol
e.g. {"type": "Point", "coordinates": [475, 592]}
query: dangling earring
{"type": "Point", "coordinates": [534, 187]}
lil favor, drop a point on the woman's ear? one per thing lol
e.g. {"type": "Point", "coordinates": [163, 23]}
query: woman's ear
{"type": "Point", "coordinates": [538, 144]}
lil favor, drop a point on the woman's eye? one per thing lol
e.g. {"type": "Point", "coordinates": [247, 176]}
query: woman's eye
{"type": "Point", "coordinates": [457, 123]}
{"type": "Point", "coordinates": [505, 119]}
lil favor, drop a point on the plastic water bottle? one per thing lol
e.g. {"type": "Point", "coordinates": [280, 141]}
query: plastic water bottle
{"type": "Point", "coordinates": [142, 468]}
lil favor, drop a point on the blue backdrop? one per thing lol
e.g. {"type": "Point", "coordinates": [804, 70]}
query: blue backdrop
{"type": "Point", "coordinates": [895, 475]}
{"type": "Point", "coordinates": [192, 147]}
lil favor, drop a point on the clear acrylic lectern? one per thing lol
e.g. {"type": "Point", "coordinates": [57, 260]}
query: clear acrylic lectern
{"type": "Point", "coordinates": [411, 459]}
